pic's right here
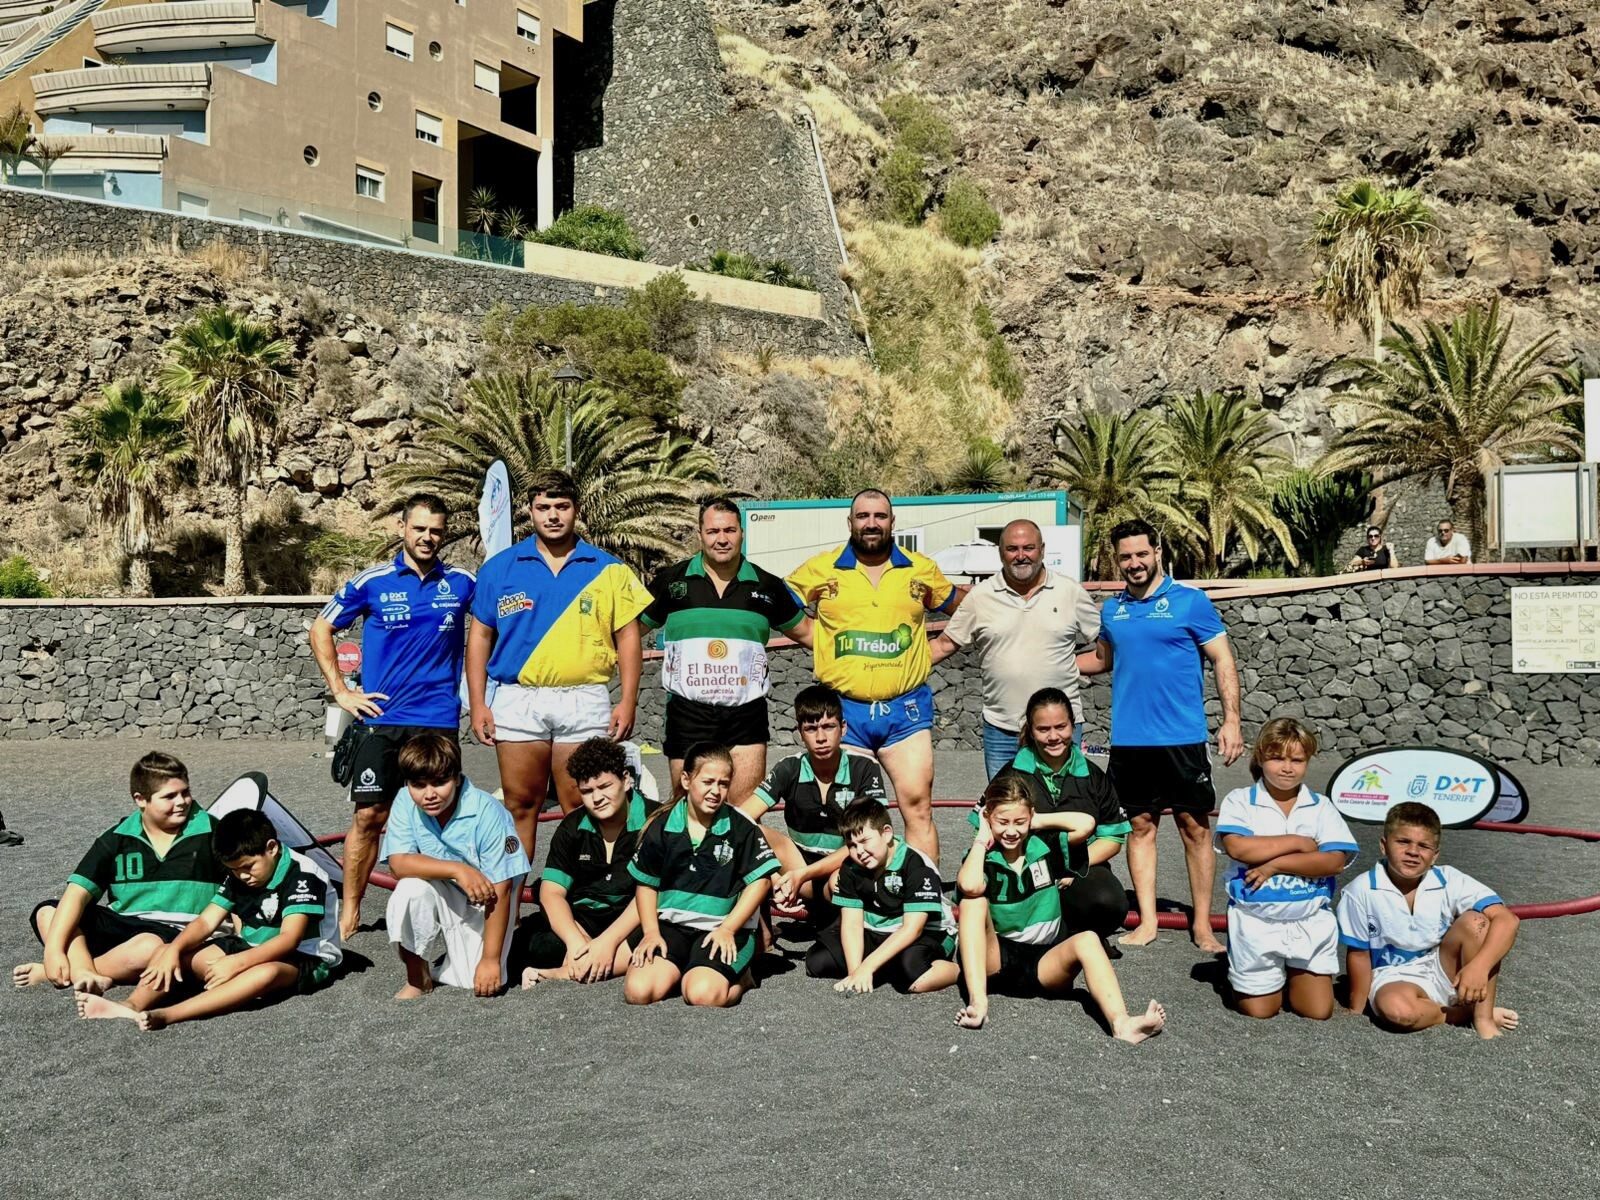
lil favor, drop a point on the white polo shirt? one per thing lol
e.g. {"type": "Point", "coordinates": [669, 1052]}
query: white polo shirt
{"type": "Point", "coordinates": [1025, 643]}
{"type": "Point", "coordinates": [1373, 915]}
{"type": "Point", "coordinates": [1458, 545]}
{"type": "Point", "coordinates": [1251, 812]}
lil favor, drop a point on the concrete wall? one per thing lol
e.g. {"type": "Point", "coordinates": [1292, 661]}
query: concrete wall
{"type": "Point", "coordinates": [38, 225]}
{"type": "Point", "coordinates": [1409, 656]}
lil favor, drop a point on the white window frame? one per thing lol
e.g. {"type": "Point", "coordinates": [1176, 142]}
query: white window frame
{"type": "Point", "coordinates": [480, 69]}
{"type": "Point", "coordinates": [399, 41]}
{"type": "Point", "coordinates": [434, 137]}
{"type": "Point", "coordinates": [192, 205]}
{"type": "Point", "coordinates": [371, 175]}
{"type": "Point", "coordinates": [528, 27]}
{"type": "Point", "coordinates": [910, 539]}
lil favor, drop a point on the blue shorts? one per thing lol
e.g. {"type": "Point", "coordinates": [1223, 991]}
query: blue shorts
{"type": "Point", "coordinates": [872, 725]}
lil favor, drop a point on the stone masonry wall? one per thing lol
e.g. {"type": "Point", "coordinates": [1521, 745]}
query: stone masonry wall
{"type": "Point", "coordinates": [1368, 662]}
{"type": "Point", "coordinates": [35, 225]}
{"type": "Point", "coordinates": [654, 135]}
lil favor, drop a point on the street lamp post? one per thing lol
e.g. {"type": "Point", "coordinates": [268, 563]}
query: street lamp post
{"type": "Point", "coordinates": [568, 376]}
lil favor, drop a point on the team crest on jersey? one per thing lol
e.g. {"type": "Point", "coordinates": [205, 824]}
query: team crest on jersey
{"type": "Point", "coordinates": [586, 603]}
{"type": "Point", "coordinates": [369, 778]}
{"type": "Point", "coordinates": [892, 884]}
{"type": "Point", "coordinates": [919, 591]}
{"type": "Point", "coordinates": [444, 587]}
{"type": "Point", "coordinates": [302, 890]}
{"type": "Point", "coordinates": [269, 906]}
{"type": "Point", "coordinates": [1162, 605]}
{"type": "Point", "coordinates": [723, 854]}
{"type": "Point", "coordinates": [513, 602]}
{"type": "Point", "coordinates": [828, 589]}
{"type": "Point", "coordinates": [678, 589]}
{"type": "Point", "coordinates": [511, 845]}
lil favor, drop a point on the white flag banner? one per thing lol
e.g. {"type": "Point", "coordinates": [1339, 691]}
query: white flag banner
{"type": "Point", "coordinates": [494, 530]}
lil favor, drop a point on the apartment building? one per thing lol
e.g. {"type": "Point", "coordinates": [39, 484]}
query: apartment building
{"type": "Point", "coordinates": [373, 118]}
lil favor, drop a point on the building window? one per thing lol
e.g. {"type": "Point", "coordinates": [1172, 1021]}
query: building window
{"type": "Point", "coordinates": [375, 101]}
{"type": "Point", "coordinates": [250, 217]}
{"type": "Point", "coordinates": [369, 183]}
{"type": "Point", "coordinates": [528, 27]}
{"type": "Point", "coordinates": [909, 539]}
{"type": "Point", "coordinates": [399, 41]}
{"type": "Point", "coordinates": [311, 155]}
{"type": "Point", "coordinates": [429, 128]}
{"type": "Point", "coordinates": [486, 78]}
{"type": "Point", "coordinates": [435, 51]}
{"type": "Point", "coordinates": [197, 206]}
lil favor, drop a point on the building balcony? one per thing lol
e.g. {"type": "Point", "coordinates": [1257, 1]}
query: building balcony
{"type": "Point", "coordinates": [110, 152]}
{"type": "Point", "coordinates": [135, 89]}
{"type": "Point", "coordinates": [196, 25]}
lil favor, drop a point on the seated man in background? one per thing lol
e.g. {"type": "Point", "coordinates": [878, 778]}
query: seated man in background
{"type": "Point", "coordinates": [1447, 548]}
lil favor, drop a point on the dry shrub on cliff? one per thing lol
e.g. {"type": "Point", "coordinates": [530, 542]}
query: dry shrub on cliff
{"type": "Point", "coordinates": [67, 266]}
{"type": "Point", "coordinates": [228, 262]}
{"type": "Point", "coordinates": [69, 550]}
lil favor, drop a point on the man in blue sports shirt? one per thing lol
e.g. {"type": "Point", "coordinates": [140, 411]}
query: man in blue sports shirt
{"type": "Point", "coordinates": [1155, 636]}
{"type": "Point", "coordinates": [412, 639]}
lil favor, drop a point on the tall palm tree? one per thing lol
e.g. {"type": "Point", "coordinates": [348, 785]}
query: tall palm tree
{"type": "Point", "coordinates": [232, 378]}
{"type": "Point", "coordinates": [1219, 448]}
{"type": "Point", "coordinates": [129, 449]}
{"type": "Point", "coordinates": [1452, 404]}
{"type": "Point", "coordinates": [1374, 243]}
{"type": "Point", "coordinates": [16, 141]}
{"type": "Point", "coordinates": [638, 489]}
{"type": "Point", "coordinates": [1111, 464]}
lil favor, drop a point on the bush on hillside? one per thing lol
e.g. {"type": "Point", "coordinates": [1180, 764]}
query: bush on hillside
{"type": "Point", "coordinates": [594, 229]}
{"type": "Point", "coordinates": [667, 307]}
{"type": "Point", "coordinates": [900, 191]}
{"type": "Point", "coordinates": [736, 264]}
{"type": "Point", "coordinates": [919, 127]}
{"type": "Point", "coordinates": [19, 580]}
{"type": "Point", "coordinates": [966, 217]}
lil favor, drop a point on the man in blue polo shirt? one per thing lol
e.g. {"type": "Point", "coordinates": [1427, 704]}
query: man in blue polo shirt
{"type": "Point", "coordinates": [412, 639]}
{"type": "Point", "coordinates": [1156, 634]}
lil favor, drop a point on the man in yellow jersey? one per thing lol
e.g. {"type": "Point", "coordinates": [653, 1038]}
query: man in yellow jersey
{"type": "Point", "coordinates": [553, 618]}
{"type": "Point", "coordinates": [869, 599]}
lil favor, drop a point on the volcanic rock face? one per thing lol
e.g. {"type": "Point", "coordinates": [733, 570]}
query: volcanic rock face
{"type": "Point", "coordinates": [1160, 166]}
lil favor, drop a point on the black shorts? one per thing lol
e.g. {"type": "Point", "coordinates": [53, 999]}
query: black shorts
{"type": "Point", "coordinates": [686, 950]}
{"type": "Point", "coordinates": [1019, 967]}
{"type": "Point", "coordinates": [105, 929]}
{"type": "Point", "coordinates": [1095, 902]}
{"type": "Point", "coordinates": [1151, 778]}
{"type": "Point", "coordinates": [313, 973]}
{"type": "Point", "coordinates": [535, 944]}
{"type": "Point", "coordinates": [375, 774]}
{"type": "Point", "coordinates": [690, 721]}
{"type": "Point", "coordinates": [826, 960]}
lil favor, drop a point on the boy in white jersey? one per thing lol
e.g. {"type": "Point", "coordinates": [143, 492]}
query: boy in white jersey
{"type": "Point", "coordinates": [1287, 844]}
{"type": "Point", "coordinates": [1425, 943]}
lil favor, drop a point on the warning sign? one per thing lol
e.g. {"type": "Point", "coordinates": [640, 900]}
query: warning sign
{"type": "Point", "coordinates": [1555, 630]}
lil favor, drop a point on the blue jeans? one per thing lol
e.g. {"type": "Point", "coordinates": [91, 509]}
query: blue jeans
{"type": "Point", "coordinates": [999, 748]}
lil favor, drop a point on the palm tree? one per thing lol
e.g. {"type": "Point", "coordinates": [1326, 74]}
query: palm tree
{"type": "Point", "coordinates": [130, 451]}
{"type": "Point", "coordinates": [46, 155]}
{"type": "Point", "coordinates": [1111, 464]}
{"type": "Point", "coordinates": [983, 468]}
{"type": "Point", "coordinates": [483, 209]}
{"type": "Point", "coordinates": [16, 141]}
{"type": "Point", "coordinates": [1219, 448]}
{"type": "Point", "coordinates": [1374, 242]}
{"type": "Point", "coordinates": [638, 488]}
{"type": "Point", "coordinates": [1319, 508]}
{"type": "Point", "coordinates": [1453, 404]}
{"type": "Point", "coordinates": [232, 377]}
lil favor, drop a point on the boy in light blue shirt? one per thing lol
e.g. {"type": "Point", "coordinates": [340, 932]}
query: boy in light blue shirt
{"type": "Point", "coordinates": [460, 865]}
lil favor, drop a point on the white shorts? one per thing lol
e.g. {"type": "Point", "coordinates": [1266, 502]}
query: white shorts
{"type": "Point", "coordinates": [427, 915]}
{"type": "Point", "coordinates": [1261, 952]}
{"type": "Point", "coordinates": [1426, 972]}
{"type": "Point", "coordinates": [551, 714]}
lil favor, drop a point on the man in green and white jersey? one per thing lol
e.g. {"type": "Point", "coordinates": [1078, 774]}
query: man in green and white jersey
{"type": "Point", "coordinates": [716, 613]}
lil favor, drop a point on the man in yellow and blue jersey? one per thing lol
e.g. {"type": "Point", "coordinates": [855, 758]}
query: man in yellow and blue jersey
{"type": "Point", "coordinates": [553, 618]}
{"type": "Point", "coordinates": [870, 599]}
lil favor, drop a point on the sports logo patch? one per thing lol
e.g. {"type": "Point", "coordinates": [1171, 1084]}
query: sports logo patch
{"type": "Point", "coordinates": [892, 884]}
{"type": "Point", "coordinates": [586, 603]}
{"type": "Point", "coordinates": [723, 854]}
{"type": "Point", "coordinates": [919, 591]}
{"type": "Point", "coordinates": [511, 845]}
{"type": "Point", "coordinates": [369, 778]}
{"type": "Point", "coordinates": [269, 906]}
{"type": "Point", "coordinates": [678, 589]}
{"type": "Point", "coordinates": [444, 587]}
{"type": "Point", "coordinates": [513, 602]}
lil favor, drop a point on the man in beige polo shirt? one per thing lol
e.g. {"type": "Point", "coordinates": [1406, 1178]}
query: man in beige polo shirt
{"type": "Point", "coordinates": [1027, 623]}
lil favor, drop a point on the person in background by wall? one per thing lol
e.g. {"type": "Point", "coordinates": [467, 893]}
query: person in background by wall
{"type": "Point", "coordinates": [1447, 548]}
{"type": "Point", "coordinates": [1028, 624]}
{"type": "Point", "coordinates": [1374, 554]}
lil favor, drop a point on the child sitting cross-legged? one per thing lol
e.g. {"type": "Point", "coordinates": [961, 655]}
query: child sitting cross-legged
{"type": "Point", "coordinates": [288, 939]}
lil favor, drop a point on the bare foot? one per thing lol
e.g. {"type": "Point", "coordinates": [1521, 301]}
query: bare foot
{"type": "Point", "coordinates": [1147, 1024]}
{"type": "Point", "coordinates": [348, 929]}
{"type": "Point", "coordinates": [153, 1020]}
{"type": "Point", "coordinates": [536, 975]}
{"type": "Point", "coordinates": [1205, 941]}
{"type": "Point", "coordinates": [973, 1016]}
{"type": "Point", "coordinates": [1141, 935]}
{"type": "Point", "coordinates": [95, 1008]}
{"type": "Point", "coordinates": [93, 983]}
{"type": "Point", "coordinates": [412, 992]}
{"type": "Point", "coordinates": [1503, 1020]}
{"type": "Point", "coordinates": [28, 975]}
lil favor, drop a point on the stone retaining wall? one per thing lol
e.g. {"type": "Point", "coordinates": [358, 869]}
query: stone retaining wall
{"type": "Point", "coordinates": [1409, 657]}
{"type": "Point", "coordinates": [38, 225]}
